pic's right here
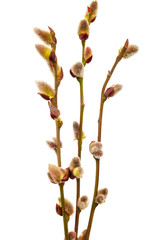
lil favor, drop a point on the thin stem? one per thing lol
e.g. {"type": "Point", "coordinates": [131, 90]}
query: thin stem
{"type": "Point", "coordinates": [81, 117]}
{"type": "Point", "coordinates": [100, 121]}
{"type": "Point", "coordinates": [80, 141]}
{"type": "Point", "coordinates": [79, 153]}
{"type": "Point", "coordinates": [63, 211]}
{"type": "Point", "coordinates": [83, 48]}
{"type": "Point", "coordinates": [94, 205]}
{"type": "Point", "coordinates": [65, 223]}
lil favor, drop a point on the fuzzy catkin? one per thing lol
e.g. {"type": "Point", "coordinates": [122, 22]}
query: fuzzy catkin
{"type": "Point", "coordinates": [68, 206]}
{"type": "Point", "coordinates": [45, 88]}
{"type": "Point", "coordinates": [76, 162]}
{"type": "Point", "coordinates": [78, 69]}
{"type": "Point", "coordinates": [44, 36]}
{"type": "Point", "coordinates": [83, 202]}
{"type": "Point", "coordinates": [103, 191]}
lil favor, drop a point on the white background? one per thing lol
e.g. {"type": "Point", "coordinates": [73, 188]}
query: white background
{"type": "Point", "coordinates": [130, 168]}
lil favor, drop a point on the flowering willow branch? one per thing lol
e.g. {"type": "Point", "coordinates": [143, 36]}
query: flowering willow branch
{"type": "Point", "coordinates": [94, 203]}
{"type": "Point", "coordinates": [55, 174]}
{"type": "Point", "coordinates": [83, 32]}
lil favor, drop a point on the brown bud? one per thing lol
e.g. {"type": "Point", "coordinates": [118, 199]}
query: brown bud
{"type": "Point", "coordinates": [66, 176]}
{"type": "Point", "coordinates": [58, 210]}
{"type": "Point", "coordinates": [78, 172]}
{"type": "Point", "coordinates": [83, 235]}
{"type": "Point", "coordinates": [76, 162]}
{"type": "Point", "coordinates": [71, 175]}
{"type": "Point", "coordinates": [95, 149]}
{"type": "Point", "coordinates": [59, 73]}
{"type": "Point", "coordinates": [112, 91]}
{"type": "Point", "coordinates": [68, 206]}
{"type": "Point", "coordinates": [88, 54]}
{"type": "Point", "coordinates": [54, 40]}
{"type": "Point", "coordinates": [83, 202]}
{"type": "Point", "coordinates": [52, 57]}
{"type": "Point", "coordinates": [51, 30]}
{"type": "Point", "coordinates": [126, 43]}
{"type": "Point", "coordinates": [83, 30]}
{"type": "Point", "coordinates": [100, 199]}
{"type": "Point", "coordinates": [54, 112]}
{"type": "Point", "coordinates": [71, 235]}
{"type": "Point", "coordinates": [77, 70]}
{"type": "Point", "coordinates": [44, 96]}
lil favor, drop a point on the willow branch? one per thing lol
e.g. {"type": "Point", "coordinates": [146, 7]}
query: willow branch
{"type": "Point", "coordinates": [80, 141]}
{"type": "Point", "coordinates": [65, 223]}
{"type": "Point", "coordinates": [94, 204]}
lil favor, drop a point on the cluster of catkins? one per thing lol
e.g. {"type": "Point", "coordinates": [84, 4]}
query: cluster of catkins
{"type": "Point", "coordinates": [56, 174]}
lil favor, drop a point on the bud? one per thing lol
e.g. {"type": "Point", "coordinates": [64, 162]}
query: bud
{"type": "Point", "coordinates": [76, 130]}
{"type": "Point", "coordinates": [58, 210]}
{"type": "Point", "coordinates": [43, 51]}
{"type": "Point", "coordinates": [88, 55]}
{"type": "Point", "coordinates": [104, 192]}
{"type": "Point", "coordinates": [131, 50]}
{"type": "Point", "coordinates": [72, 236]}
{"type": "Point", "coordinates": [52, 57]}
{"type": "Point", "coordinates": [76, 162]}
{"type": "Point", "coordinates": [66, 176]}
{"type": "Point", "coordinates": [59, 73]}
{"type": "Point", "coordinates": [111, 91]}
{"type": "Point", "coordinates": [83, 202]}
{"type": "Point", "coordinates": [54, 40]}
{"type": "Point", "coordinates": [78, 172]}
{"type": "Point", "coordinates": [45, 90]}
{"type": "Point", "coordinates": [83, 235]}
{"type": "Point", "coordinates": [83, 30]}
{"type": "Point", "coordinates": [100, 199]}
{"type": "Point", "coordinates": [77, 70]}
{"type": "Point", "coordinates": [69, 209]}
{"type": "Point", "coordinates": [95, 149]}
{"type": "Point", "coordinates": [54, 112]}
{"type": "Point", "coordinates": [126, 43]}
{"type": "Point", "coordinates": [71, 175]}
{"type": "Point", "coordinates": [55, 173]}
{"type": "Point", "coordinates": [44, 96]}
{"type": "Point", "coordinates": [53, 144]}
{"type": "Point", "coordinates": [44, 36]}
{"type": "Point", "coordinates": [91, 13]}
{"type": "Point", "coordinates": [59, 122]}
